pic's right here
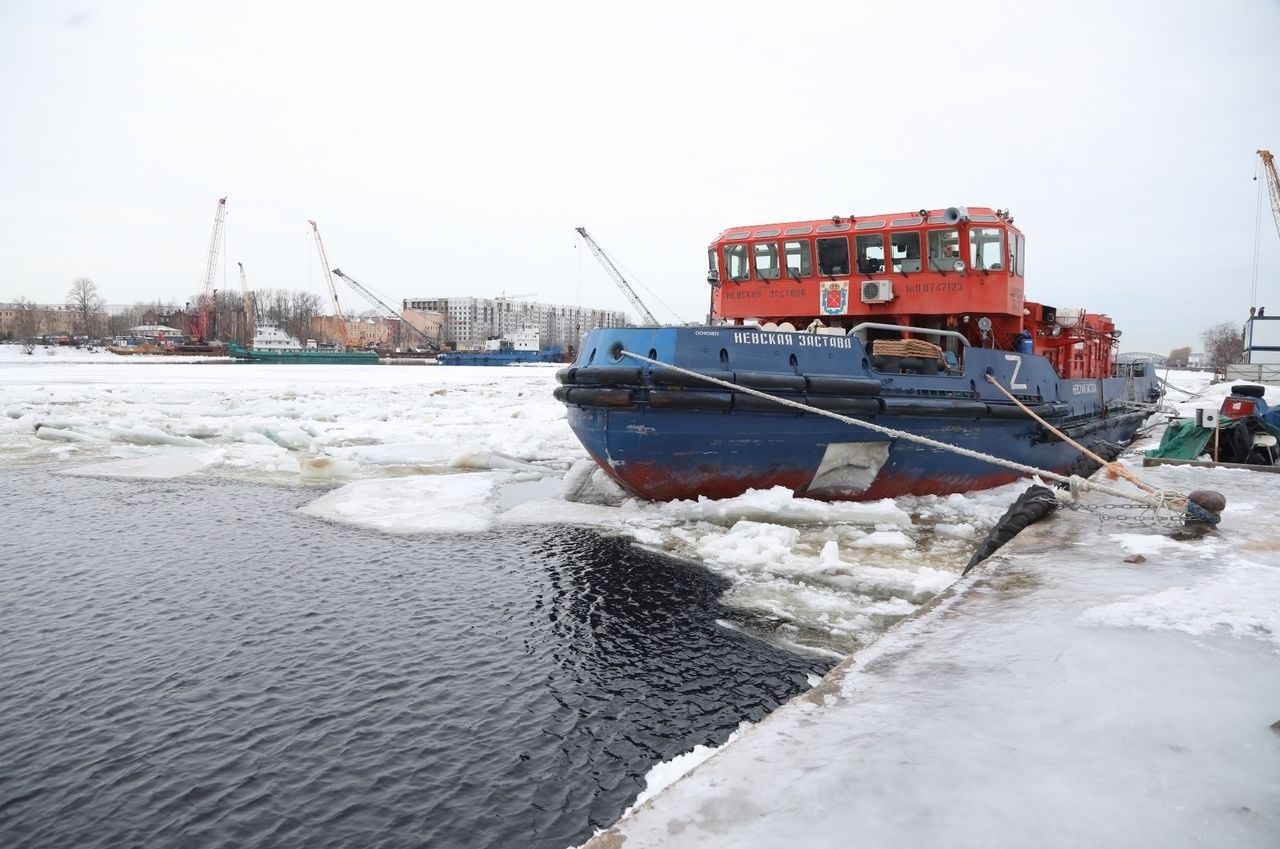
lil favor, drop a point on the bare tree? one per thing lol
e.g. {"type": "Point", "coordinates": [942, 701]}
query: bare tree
{"type": "Point", "coordinates": [27, 323]}
{"type": "Point", "coordinates": [119, 323]}
{"type": "Point", "coordinates": [274, 304]}
{"type": "Point", "coordinates": [1179, 357]}
{"type": "Point", "coordinates": [303, 306]}
{"type": "Point", "coordinates": [290, 309]}
{"type": "Point", "coordinates": [1223, 344]}
{"type": "Point", "coordinates": [83, 300]}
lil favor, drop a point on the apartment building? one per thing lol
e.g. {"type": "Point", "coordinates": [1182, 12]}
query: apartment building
{"type": "Point", "coordinates": [469, 321]}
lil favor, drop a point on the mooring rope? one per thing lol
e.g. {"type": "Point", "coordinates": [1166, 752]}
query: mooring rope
{"type": "Point", "coordinates": [1113, 467]}
{"type": "Point", "coordinates": [1178, 388]}
{"type": "Point", "coordinates": [1158, 500]}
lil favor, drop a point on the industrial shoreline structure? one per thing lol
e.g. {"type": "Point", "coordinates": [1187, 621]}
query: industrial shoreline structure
{"type": "Point", "coordinates": [470, 321]}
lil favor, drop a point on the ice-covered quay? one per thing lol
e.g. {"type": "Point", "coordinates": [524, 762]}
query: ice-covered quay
{"type": "Point", "coordinates": [1092, 685]}
{"type": "Point", "coordinates": [1060, 695]}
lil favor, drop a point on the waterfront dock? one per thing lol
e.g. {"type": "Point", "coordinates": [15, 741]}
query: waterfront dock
{"type": "Point", "coordinates": [1092, 684]}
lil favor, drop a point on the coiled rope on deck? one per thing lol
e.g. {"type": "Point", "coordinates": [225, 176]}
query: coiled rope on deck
{"type": "Point", "coordinates": [1156, 499]}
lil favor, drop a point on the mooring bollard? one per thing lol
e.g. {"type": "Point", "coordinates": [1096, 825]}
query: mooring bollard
{"type": "Point", "coordinates": [1204, 508]}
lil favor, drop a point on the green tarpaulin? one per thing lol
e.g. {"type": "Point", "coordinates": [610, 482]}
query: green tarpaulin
{"type": "Point", "coordinates": [1186, 440]}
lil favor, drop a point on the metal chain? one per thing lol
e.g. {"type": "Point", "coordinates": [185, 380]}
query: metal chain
{"type": "Point", "coordinates": [1163, 515]}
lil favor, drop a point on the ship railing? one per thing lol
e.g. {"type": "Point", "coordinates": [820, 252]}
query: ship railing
{"type": "Point", "coordinates": [906, 328]}
{"type": "Point", "coordinates": [947, 363]}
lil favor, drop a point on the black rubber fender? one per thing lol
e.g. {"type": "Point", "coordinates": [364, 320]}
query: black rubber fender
{"type": "Point", "coordinates": [1030, 507]}
{"type": "Point", "coordinates": [768, 381]}
{"type": "Point", "coordinates": [662, 375]}
{"type": "Point", "coordinates": [1005, 411]}
{"type": "Point", "coordinates": [1084, 465]}
{"type": "Point", "coordinates": [607, 376]}
{"type": "Point", "coordinates": [690, 399]}
{"type": "Point", "coordinates": [591, 396]}
{"type": "Point", "coordinates": [950, 407]}
{"type": "Point", "coordinates": [1086, 429]}
{"type": "Point", "coordinates": [754, 403]}
{"type": "Point", "coordinates": [847, 406]}
{"type": "Point", "coordinates": [822, 384]}
{"type": "Point", "coordinates": [1013, 411]}
{"type": "Point", "coordinates": [1249, 390]}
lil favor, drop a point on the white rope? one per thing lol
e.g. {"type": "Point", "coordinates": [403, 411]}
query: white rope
{"type": "Point", "coordinates": [1114, 467]}
{"type": "Point", "coordinates": [1178, 388]}
{"type": "Point", "coordinates": [1075, 483]}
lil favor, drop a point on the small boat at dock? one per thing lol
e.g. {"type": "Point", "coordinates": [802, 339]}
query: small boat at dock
{"type": "Point", "coordinates": [1241, 432]}
{"type": "Point", "coordinates": [271, 344]}
{"type": "Point", "coordinates": [523, 347]}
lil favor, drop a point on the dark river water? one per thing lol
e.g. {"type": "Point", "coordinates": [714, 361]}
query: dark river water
{"type": "Point", "coordinates": [189, 664]}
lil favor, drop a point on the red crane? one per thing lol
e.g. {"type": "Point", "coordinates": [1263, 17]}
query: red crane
{"type": "Point", "coordinates": [202, 323]}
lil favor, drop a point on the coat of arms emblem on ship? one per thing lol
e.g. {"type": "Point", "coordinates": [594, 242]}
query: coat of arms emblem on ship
{"type": "Point", "coordinates": [835, 297]}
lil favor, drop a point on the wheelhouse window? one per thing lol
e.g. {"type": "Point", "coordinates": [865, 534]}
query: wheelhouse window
{"type": "Point", "coordinates": [905, 249]}
{"type": "Point", "coordinates": [1022, 254]}
{"type": "Point", "coordinates": [833, 256]}
{"type": "Point", "coordinates": [944, 249]}
{"type": "Point", "coordinates": [736, 262]}
{"type": "Point", "coordinates": [870, 253]}
{"type": "Point", "coordinates": [767, 260]}
{"type": "Point", "coordinates": [1013, 253]}
{"type": "Point", "coordinates": [986, 248]}
{"type": "Point", "coordinates": [713, 268]}
{"type": "Point", "coordinates": [799, 263]}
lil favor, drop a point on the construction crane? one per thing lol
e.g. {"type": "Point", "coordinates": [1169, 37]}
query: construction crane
{"type": "Point", "coordinates": [202, 324]}
{"type": "Point", "coordinates": [1273, 184]}
{"type": "Point", "coordinates": [427, 342]}
{"type": "Point", "coordinates": [645, 315]}
{"type": "Point", "coordinates": [250, 309]}
{"type": "Point", "coordinates": [347, 338]}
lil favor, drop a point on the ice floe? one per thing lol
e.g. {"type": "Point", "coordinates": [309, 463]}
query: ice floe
{"type": "Point", "coordinates": [446, 450]}
{"type": "Point", "coordinates": [452, 503]}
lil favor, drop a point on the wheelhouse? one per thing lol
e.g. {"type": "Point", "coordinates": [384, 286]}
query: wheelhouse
{"type": "Point", "coordinates": [953, 277]}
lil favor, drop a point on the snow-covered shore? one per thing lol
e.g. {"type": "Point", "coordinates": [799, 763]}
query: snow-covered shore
{"type": "Point", "coordinates": [1096, 683]}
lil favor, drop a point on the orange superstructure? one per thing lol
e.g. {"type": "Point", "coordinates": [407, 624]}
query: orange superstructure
{"type": "Point", "coordinates": [957, 269]}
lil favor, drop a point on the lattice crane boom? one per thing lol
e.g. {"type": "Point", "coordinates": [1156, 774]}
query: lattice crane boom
{"type": "Point", "coordinates": [612, 270]}
{"type": "Point", "coordinates": [1273, 184]}
{"type": "Point", "coordinates": [328, 275]}
{"type": "Point", "coordinates": [205, 300]}
{"type": "Point", "coordinates": [387, 308]}
{"type": "Point", "coordinates": [250, 309]}
{"type": "Point", "coordinates": [350, 339]}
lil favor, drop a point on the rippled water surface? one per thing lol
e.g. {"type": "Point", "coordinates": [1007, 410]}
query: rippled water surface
{"type": "Point", "coordinates": [195, 664]}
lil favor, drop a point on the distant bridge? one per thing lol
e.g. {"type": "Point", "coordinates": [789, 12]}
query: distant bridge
{"type": "Point", "coordinates": [1132, 356]}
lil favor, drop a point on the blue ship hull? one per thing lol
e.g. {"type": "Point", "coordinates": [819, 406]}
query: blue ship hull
{"type": "Point", "coordinates": [665, 435]}
{"type": "Point", "coordinates": [497, 358]}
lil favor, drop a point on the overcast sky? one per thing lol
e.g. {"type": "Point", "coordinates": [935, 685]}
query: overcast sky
{"type": "Point", "coordinates": [451, 149]}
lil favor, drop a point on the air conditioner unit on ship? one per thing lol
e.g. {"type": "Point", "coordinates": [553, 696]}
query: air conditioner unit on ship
{"type": "Point", "coordinates": [877, 291]}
